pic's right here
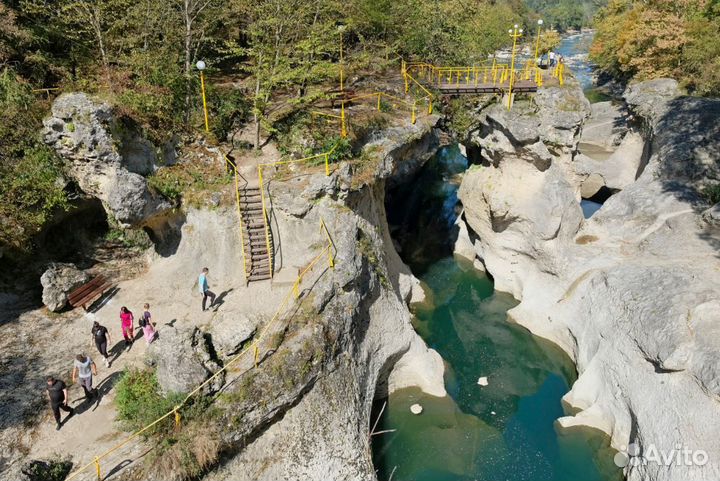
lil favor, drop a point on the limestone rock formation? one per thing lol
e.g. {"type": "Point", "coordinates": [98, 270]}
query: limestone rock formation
{"type": "Point", "coordinates": [106, 156]}
{"type": "Point", "coordinates": [230, 332]}
{"type": "Point", "coordinates": [631, 294]}
{"type": "Point", "coordinates": [58, 281]}
{"type": "Point", "coordinates": [183, 360]}
{"type": "Point", "coordinates": [313, 391]}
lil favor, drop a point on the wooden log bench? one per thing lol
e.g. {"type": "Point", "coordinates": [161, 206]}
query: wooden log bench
{"type": "Point", "coordinates": [338, 95]}
{"type": "Point", "coordinates": [87, 294]}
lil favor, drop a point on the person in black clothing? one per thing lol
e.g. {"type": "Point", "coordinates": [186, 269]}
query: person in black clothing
{"type": "Point", "coordinates": [101, 336]}
{"type": "Point", "coordinates": [58, 396]}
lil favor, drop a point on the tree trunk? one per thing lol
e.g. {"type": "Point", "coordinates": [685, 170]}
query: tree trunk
{"type": "Point", "coordinates": [256, 112]}
{"type": "Point", "coordinates": [187, 5]}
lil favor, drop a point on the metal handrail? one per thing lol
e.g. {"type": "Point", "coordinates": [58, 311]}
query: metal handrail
{"type": "Point", "coordinates": [237, 198]}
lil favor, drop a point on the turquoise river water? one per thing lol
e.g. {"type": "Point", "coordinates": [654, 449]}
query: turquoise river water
{"type": "Point", "coordinates": [505, 430]}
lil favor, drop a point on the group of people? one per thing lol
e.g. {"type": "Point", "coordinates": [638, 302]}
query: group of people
{"type": "Point", "coordinates": [84, 367]}
{"type": "Point", "coordinates": [554, 58]}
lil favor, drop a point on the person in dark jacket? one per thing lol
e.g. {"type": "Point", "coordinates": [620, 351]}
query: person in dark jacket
{"type": "Point", "coordinates": [58, 396]}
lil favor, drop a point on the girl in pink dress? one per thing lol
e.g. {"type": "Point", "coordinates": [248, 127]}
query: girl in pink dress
{"type": "Point", "coordinates": [126, 323]}
{"type": "Point", "coordinates": [146, 324]}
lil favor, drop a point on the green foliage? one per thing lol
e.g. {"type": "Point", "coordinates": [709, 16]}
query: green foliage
{"type": "Point", "coordinates": [459, 113]}
{"type": "Point", "coordinates": [342, 146]}
{"type": "Point", "coordinates": [663, 38]}
{"type": "Point", "coordinates": [55, 469]}
{"type": "Point", "coordinates": [31, 190]}
{"type": "Point", "coordinates": [712, 193]}
{"type": "Point", "coordinates": [139, 402]}
{"type": "Point", "coordinates": [566, 14]}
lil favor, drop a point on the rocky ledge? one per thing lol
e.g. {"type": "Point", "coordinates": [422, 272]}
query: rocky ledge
{"type": "Point", "coordinates": [632, 293]}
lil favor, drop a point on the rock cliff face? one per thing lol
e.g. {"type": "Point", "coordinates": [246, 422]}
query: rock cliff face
{"type": "Point", "coordinates": [632, 294]}
{"type": "Point", "coordinates": [304, 412]}
{"type": "Point", "coordinates": [107, 158]}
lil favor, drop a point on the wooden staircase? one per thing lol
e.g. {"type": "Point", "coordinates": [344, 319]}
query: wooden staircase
{"type": "Point", "coordinates": [258, 259]}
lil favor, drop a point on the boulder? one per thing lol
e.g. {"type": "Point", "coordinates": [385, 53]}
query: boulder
{"type": "Point", "coordinates": [183, 360]}
{"type": "Point", "coordinates": [58, 281]}
{"type": "Point", "coordinates": [650, 99]}
{"type": "Point", "coordinates": [620, 169]}
{"type": "Point", "coordinates": [107, 157]}
{"type": "Point", "coordinates": [420, 367]}
{"type": "Point", "coordinates": [606, 126]}
{"type": "Point", "coordinates": [591, 185]}
{"type": "Point", "coordinates": [231, 331]}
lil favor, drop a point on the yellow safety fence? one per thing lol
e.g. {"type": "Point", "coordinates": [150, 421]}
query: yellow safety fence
{"type": "Point", "coordinates": [263, 197]}
{"type": "Point", "coordinates": [378, 96]}
{"type": "Point", "coordinates": [494, 73]}
{"type": "Point", "coordinates": [329, 252]}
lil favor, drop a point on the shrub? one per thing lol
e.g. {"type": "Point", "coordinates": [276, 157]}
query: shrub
{"type": "Point", "coordinates": [139, 401]}
{"type": "Point", "coordinates": [185, 456]}
{"type": "Point", "coordinates": [712, 193]}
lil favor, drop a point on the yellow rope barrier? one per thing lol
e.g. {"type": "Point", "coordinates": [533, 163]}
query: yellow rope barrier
{"type": "Point", "coordinates": [255, 346]}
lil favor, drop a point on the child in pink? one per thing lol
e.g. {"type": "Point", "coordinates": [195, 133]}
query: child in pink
{"type": "Point", "coordinates": [146, 324]}
{"type": "Point", "coordinates": [126, 323]}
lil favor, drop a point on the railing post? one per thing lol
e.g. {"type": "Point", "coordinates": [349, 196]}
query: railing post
{"type": "Point", "coordinates": [343, 128]}
{"type": "Point", "coordinates": [413, 116]}
{"type": "Point", "coordinates": [257, 354]}
{"type": "Point", "coordinates": [97, 468]}
{"type": "Point", "coordinates": [296, 287]}
{"type": "Point", "coordinates": [177, 416]}
{"type": "Point", "coordinates": [430, 105]}
{"type": "Point", "coordinates": [327, 164]}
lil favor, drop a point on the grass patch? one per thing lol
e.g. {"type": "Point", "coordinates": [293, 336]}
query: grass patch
{"type": "Point", "coordinates": [186, 455]}
{"type": "Point", "coordinates": [193, 182]}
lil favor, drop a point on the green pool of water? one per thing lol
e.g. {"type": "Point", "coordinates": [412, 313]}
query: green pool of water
{"type": "Point", "coordinates": [504, 431]}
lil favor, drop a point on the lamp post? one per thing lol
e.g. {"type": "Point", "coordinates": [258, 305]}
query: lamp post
{"type": "Point", "coordinates": [201, 66]}
{"type": "Point", "coordinates": [515, 33]}
{"type": "Point", "coordinates": [343, 128]}
{"type": "Point", "coordinates": [537, 42]}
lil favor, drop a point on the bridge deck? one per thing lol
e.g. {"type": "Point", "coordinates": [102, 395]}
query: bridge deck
{"type": "Point", "coordinates": [486, 88]}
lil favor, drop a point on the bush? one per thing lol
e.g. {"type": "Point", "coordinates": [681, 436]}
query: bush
{"type": "Point", "coordinates": [712, 193]}
{"type": "Point", "coordinates": [31, 190]}
{"type": "Point", "coordinates": [139, 402]}
{"type": "Point", "coordinates": [185, 456]}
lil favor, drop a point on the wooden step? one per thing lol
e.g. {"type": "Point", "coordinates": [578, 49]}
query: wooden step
{"type": "Point", "coordinates": [258, 277]}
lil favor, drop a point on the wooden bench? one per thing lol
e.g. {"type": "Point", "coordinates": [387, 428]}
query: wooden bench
{"type": "Point", "coordinates": [338, 95]}
{"type": "Point", "coordinates": [87, 294]}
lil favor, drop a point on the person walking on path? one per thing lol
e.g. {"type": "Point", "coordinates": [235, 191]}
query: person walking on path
{"type": "Point", "coordinates": [101, 336]}
{"type": "Point", "coordinates": [126, 323]}
{"type": "Point", "coordinates": [205, 288]}
{"type": "Point", "coordinates": [58, 396]}
{"type": "Point", "coordinates": [147, 326]}
{"type": "Point", "coordinates": [83, 369]}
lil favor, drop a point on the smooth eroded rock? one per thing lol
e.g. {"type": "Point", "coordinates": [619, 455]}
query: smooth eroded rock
{"type": "Point", "coordinates": [58, 281]}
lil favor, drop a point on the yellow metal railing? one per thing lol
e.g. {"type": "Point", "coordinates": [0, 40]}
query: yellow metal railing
{"type": "Point", "coordinates": [254, 347]}
{"type": "Point", "coordinates": [266, 216]}
{"type": "Point", "coordinates": [237, 198]}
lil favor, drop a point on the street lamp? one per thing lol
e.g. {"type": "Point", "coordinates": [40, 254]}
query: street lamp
{"type": "Point", "coordinates": [201, 66]}
{"type": "Point", "coordinates": [515, 33]}
{"type": "Point", "coordinates": [537, 42]}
